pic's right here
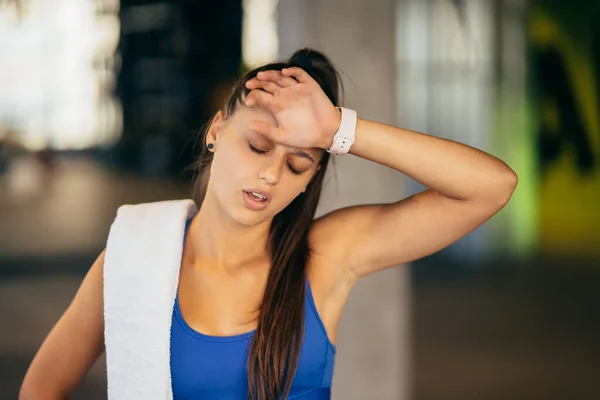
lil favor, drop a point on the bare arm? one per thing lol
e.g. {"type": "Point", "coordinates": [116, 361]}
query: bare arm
{"type": "Point", "coordinates": [467, 187]}
{"type": "Point", "coordinates": [73, 344]}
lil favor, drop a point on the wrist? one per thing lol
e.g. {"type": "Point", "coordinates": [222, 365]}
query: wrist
{"type": "Point", "coordinates": [332, 128]}
{"type": "Point", "coordinates": [344, 136]}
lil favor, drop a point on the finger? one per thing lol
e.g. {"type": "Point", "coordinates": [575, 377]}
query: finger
{"type": "Point", "coordinates": [270, 87]}
{"type": "Point", "coordinates": [259, 97]}
{"type": "Point", "coordinates": [270, 131]}
{"type": "Point", "coordinates": [298, 73]}
{"type": "Point", "coordinates": [277, 77]}
{"type": "Point", "coordinates": [252, 83]}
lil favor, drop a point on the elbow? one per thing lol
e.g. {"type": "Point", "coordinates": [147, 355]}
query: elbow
{"type": "Point", "coordinates": [498, 189]}
{"type": "Point", "coordinates": [505, 187]}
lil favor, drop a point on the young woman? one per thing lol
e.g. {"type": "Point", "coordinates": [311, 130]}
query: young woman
{"type": "Point", "coordinates": [262, 284]}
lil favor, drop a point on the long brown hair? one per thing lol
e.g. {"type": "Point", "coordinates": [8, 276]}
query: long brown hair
{"type": "Point", "coordinates": [275, 348]}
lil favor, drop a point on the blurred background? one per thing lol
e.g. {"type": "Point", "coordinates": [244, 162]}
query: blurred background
{"type": "Point", "coordinates": [101, 102]}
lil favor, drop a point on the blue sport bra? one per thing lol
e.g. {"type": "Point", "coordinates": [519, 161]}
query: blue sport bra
{"type": "Point", "coordinates": [214, 367]}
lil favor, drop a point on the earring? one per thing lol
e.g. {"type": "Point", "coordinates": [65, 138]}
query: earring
{"type": "Point", "coordinates": [210, 146]}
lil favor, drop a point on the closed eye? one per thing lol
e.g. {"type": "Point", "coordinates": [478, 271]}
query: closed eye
{"type": "Point", "coordinates": [254, 149]}
{"type": "Point", "coordinates": [258, 151]}
{"type": "Point", "coordinates": [294, 171]}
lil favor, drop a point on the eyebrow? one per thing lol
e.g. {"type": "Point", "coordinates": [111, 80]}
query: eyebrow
{"type": "Point", "coordinates": [304, 154]}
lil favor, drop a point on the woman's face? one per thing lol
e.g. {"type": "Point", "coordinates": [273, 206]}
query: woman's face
{"type": "Point", "coordinates": [246, 161]}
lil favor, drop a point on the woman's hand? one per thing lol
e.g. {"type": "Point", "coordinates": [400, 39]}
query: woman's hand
{"type": "Point", "coordinates": [306, 116]}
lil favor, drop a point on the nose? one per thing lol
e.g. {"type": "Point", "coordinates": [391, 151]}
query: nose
{"type": "Point", "coordinates": [270, 173]}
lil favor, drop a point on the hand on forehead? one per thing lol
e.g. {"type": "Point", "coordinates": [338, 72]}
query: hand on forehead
{"type": "Point", "coordinates": [247, 114]}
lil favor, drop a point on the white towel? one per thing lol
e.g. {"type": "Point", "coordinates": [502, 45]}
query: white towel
{"type": "Point", "coordinates": [141, 275]}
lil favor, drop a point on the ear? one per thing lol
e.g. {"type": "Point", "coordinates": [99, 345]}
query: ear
{"type": "Point", "coordinates": [215, 127]}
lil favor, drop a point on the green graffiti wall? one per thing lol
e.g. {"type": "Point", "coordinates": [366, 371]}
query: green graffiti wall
{"type": "Point", "coordinates": [564, 43]}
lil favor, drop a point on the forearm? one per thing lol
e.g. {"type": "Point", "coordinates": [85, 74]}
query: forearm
{"type": "Point", "coordinates": [452, 169]}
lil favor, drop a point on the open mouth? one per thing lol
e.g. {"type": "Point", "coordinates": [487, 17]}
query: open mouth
{"type": "Point", "coordinates": [257, 196]}
{"type": "Point", "coordinates": [255, 201]}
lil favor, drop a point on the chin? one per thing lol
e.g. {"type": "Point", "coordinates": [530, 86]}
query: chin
{"type": "Point", "coordinates": [251, 218]}
{"type": "Point", "coordinates": [247, 217]}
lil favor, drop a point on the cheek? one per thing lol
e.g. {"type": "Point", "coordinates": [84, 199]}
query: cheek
{"type": "Point", "coordinates": [230, 169]}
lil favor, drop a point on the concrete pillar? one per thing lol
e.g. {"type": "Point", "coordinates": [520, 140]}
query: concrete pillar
{"type": "Point", "coordinates": [373, 359]}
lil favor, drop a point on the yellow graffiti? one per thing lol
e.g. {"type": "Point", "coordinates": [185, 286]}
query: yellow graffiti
{"type": "Point", "coordinates": [569, 200]}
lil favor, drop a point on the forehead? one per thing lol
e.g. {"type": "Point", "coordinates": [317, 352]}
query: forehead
{"type": "Point", "coordinates": [244, 115]}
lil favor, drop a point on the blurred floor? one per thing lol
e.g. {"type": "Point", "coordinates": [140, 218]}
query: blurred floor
{"type": "Point", "coordinates": [506, 330]}
{"type": "Point", "coordinates": [490, 331]}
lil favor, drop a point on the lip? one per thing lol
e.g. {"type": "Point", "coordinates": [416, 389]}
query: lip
{"type": "Point", "coordinates": [253, 204]}
{"type": "Point", "coordinates": [261, 192]}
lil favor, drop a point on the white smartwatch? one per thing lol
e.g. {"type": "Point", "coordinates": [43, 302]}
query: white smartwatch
{"type": "Point", "coordinates": [344, 137]}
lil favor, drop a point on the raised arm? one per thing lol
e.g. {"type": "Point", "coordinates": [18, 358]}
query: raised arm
{"type": "Point", "coordinates": [467, 186]}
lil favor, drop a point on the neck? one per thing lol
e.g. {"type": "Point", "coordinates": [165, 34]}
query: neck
{"type": "Point", "coordinates": [216, 239]}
